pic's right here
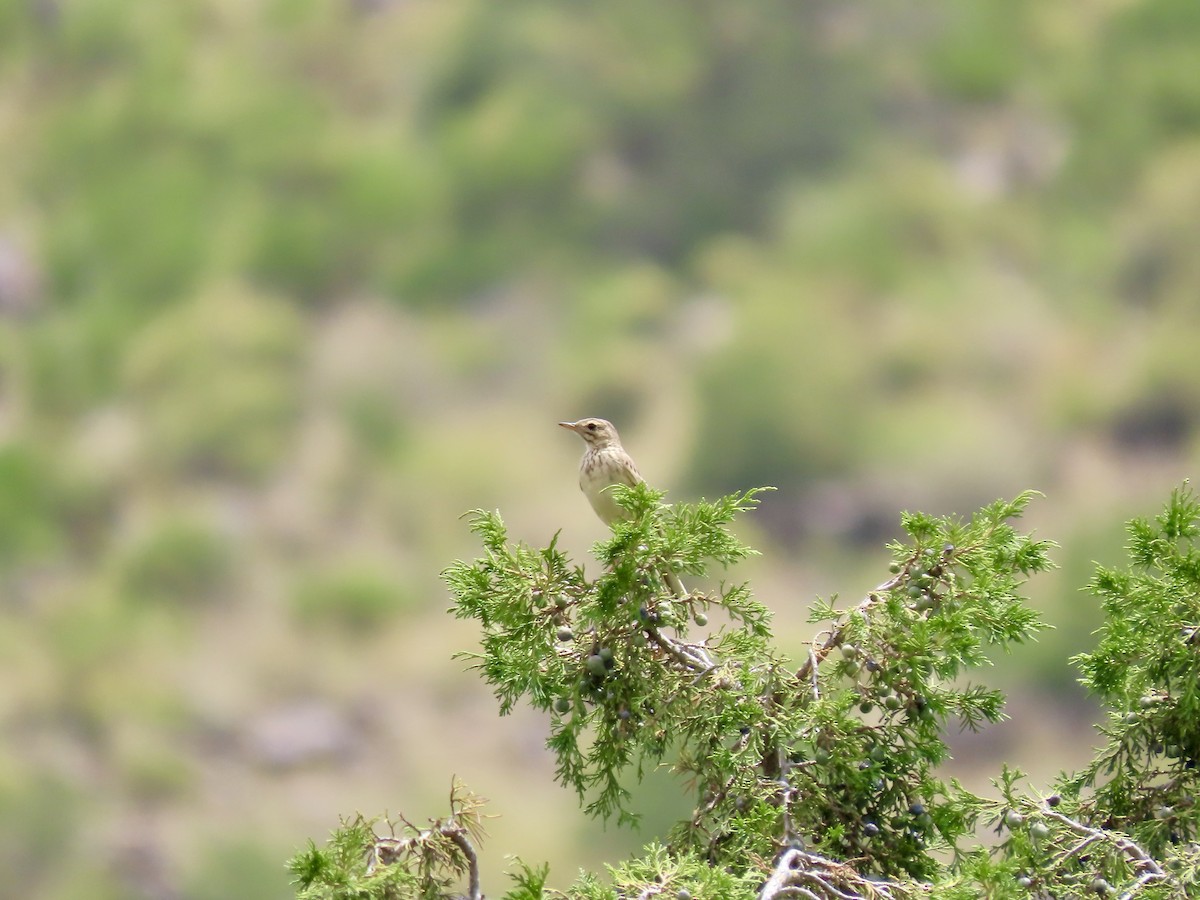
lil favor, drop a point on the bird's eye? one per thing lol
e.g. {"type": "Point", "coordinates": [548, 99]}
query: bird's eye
{"type": "Point", "coordinates": [591, 426]}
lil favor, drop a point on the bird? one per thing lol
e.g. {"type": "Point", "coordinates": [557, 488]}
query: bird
{"type": "Point", "coordinates": [605, 463]}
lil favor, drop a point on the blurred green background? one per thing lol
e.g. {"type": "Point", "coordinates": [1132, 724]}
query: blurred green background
{"type": "Point", "coordinates": [288, 285]}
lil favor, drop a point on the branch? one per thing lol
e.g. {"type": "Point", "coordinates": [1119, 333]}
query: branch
{"type": "Point", "coordinates": [800, 873]}
{"type": "Point", "coordinates": [689, 656]}
{"type": "Point", "coordinates": [460, 839]}
{"type": "Point", "coordinates": [816, 655]}
{"type": "Point", "coordinates": [1144, 879]}
{"type": "Point", "coordinates": [812, 672]}
{"type": "Point", "coordinates": [1143, 863]}
{"type": "Point", "coordinates": [446, 844]}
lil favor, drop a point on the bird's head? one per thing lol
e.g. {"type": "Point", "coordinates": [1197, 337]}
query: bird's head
{"type": "Point", "coordinates": [597, 433]}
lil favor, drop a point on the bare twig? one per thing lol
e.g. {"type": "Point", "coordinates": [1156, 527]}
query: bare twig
{"type": "Point", "coordinates": [817, 654]}
{"type": "Point", "coordinates": [1144, 879]}
{"type": "Point", "coordinates": [799, 873]}
{"type": "Point", "coordinates": [1140, 858]}
{"type": "Point", "coordinates": [460, 840]}
{"type": "Point", "coordinates": [1143, 863]}
{"type": "Point", "coordinates": [709, 805]}
{"type": "Point", "coordinates": [687, 656]}
{"type": "Point", "coordinates": [1077, 849]}
{"type": "Point", "coordinates": [797, 891]}
{"type": "Point", "coordinates": [812, 669]}
{"type": "Point", "coordinates": [446, 844]}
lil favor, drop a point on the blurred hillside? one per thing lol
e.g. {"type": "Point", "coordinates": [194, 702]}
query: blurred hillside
{"type": "Point", "coordinates": [288, 285]}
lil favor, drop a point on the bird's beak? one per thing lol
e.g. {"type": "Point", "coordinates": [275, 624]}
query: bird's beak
{"type": "Point", "coordinates": [570, 425]}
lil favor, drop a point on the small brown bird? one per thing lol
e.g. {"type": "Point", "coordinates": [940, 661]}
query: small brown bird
{"type": "Point", "coordinates": [604, 464]}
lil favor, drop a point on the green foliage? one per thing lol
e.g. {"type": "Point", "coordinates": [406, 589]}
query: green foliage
{"type": "Point", "coordinates": [214, 381]}
{"type": "Point", "coordinates": [355, 599]}
{"type": "Point", "coordinates": [675, 874]}
{"type": "Point", "coordinates": [868, 737]}
{"type": "Point", "coordinates": [1134, 806]}
{"type": "Point", "coordinates": [841, 751]}
{"type": "Point", "coordinates": [181, 563]}
{"type": "Point", "coordinates": [1073, 845]}
{"type": "Point", "coordinates": [599, 648]}
{"type": "Point", "coordinates": [822, 781]}
{"type": "Point", "coordinates": [360, 864]}
{"type": "Point", "coordinates": [1146, 670]}
{"type": "Point", "coordinates": [889, 253]}
{"type": "Point", "coordinates": [36, 815]}
{"type": "Point", "coordinates": [1139, 105]}
{"type": "Point", "coordinates": [238, 867]}
{"type": "Point", "coordinates": [27, 526]}
{"type": "Point", "coordinates": [784, 430]}
{"type": "Point", "coordinates": [977, 57]}
{"type": "Point", "coordinates": [530, 882]}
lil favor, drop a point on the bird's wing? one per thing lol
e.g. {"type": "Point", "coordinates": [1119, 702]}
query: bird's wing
{"type": "Point", "coordinates": [630, 474]}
